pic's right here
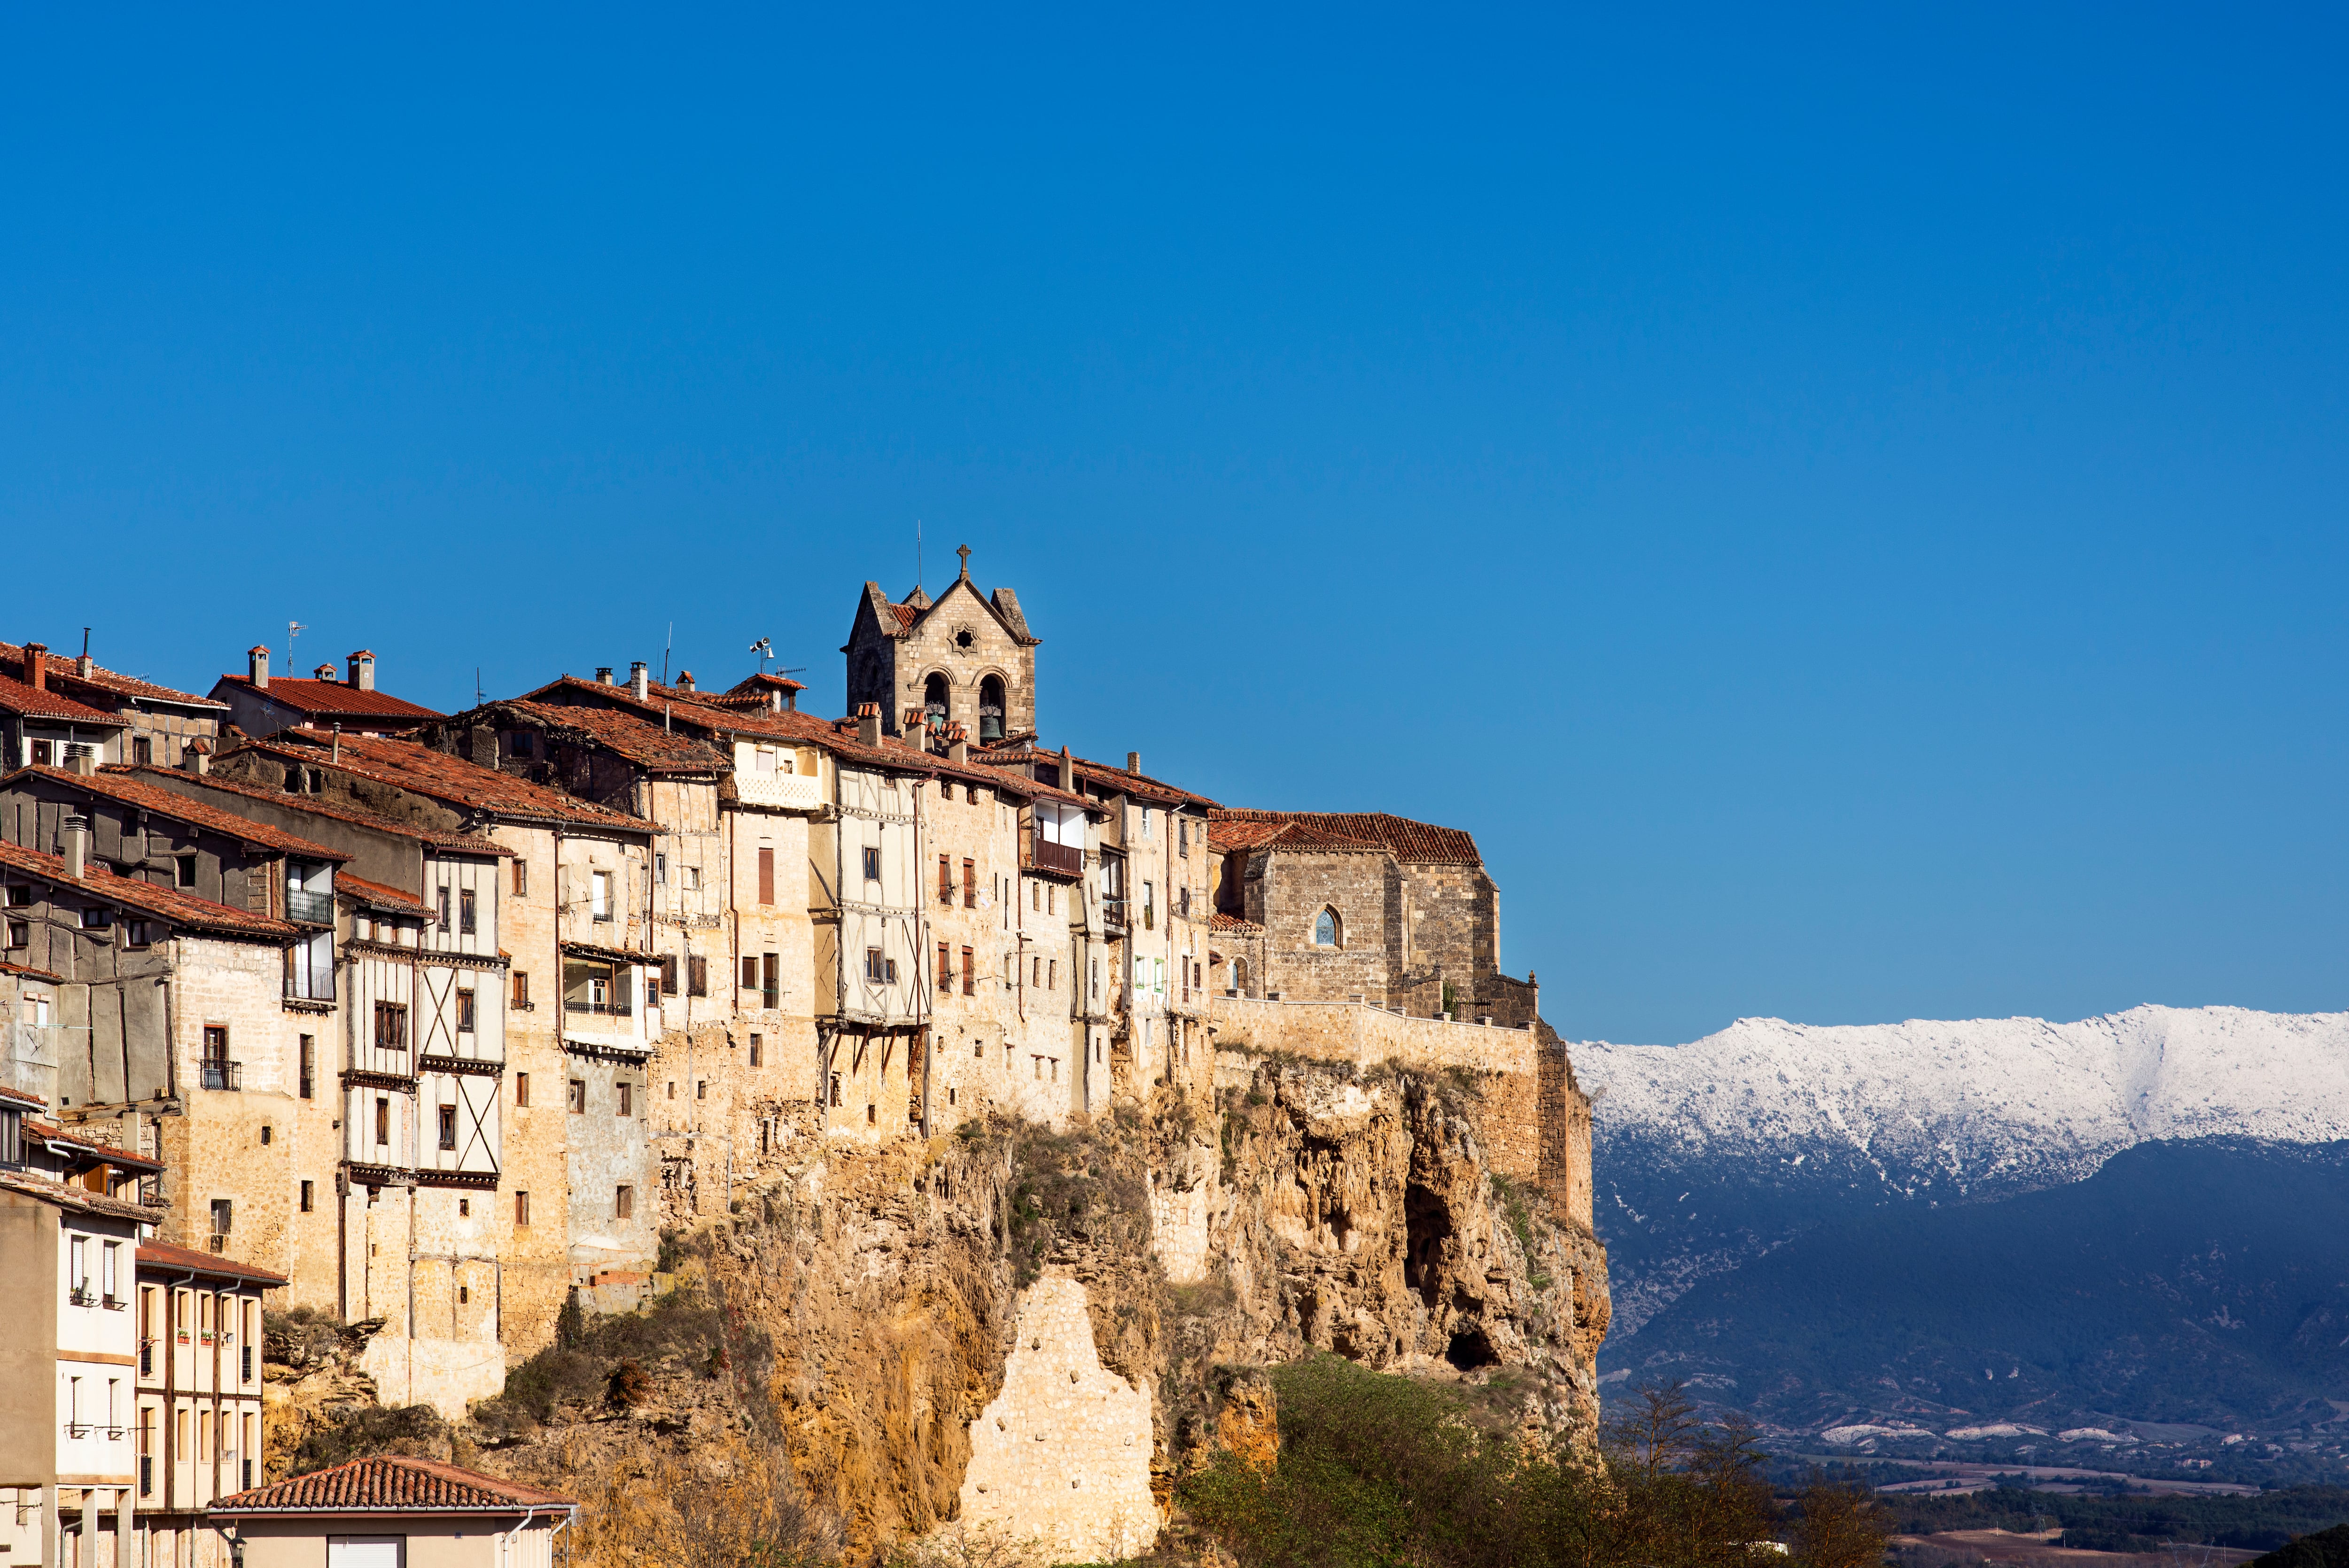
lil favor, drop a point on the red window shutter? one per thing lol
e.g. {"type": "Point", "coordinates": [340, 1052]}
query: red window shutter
{"type": "Point", "coordinates": [766, 876]}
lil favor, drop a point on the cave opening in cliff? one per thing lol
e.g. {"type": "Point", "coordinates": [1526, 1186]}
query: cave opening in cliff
{"type": "Point", "coordinates": [1470, 1349]}
{"type": "Point", "coordinates": [1427, 1225]}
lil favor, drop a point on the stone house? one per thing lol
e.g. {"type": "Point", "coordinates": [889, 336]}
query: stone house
{"type": "Point", "coordinates": [198, 1425]}
{"type": "Point", "coordinates": [70, 1219]}
{"type": "Point", "coordinates": [562, 909]}
{"type": "Point", "coordinates": [150, 723]}
{"type": "Point", "coordinates": [963, 658]}
{"type": "Point", "coordinates": [259, 704]}
{"type": "Point", "coordinates": [1366, 907]}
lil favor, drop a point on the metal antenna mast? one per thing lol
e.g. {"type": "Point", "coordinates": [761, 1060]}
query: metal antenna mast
{"type": "Point", "coordinates": [292, 630]}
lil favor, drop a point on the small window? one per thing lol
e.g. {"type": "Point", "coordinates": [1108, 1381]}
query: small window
{"type": "Point", "coordinates": [522, 1088]}
{"type": "Point", "coordinates": [579, 1097]}
{"type": "Point", "coordinates": [97, 920]}
{"type": "Point", "coordinates": [464, 1012]}
{"type": "Point", "coordinates": [872, 864]}
{"type": "Point", "coordinates": [184, 870]}
{"type": "Point", "coordinates": [625, 1107]}
{"type": "Point", "coordinates": [390, 1026]}
{"type": "Point", "coordinates": [20, 933]}
{"type": "Point", "coordinates": [142, 751]}
{"type": "Point", "coordinates": [20, 897]}
{"type": "Point", "coordinates": [701, 1090]}
{"type": "Point", "coordinates": [465, 917]}
{"type": "Point", "coordinates": [143, 933]}
{"type": "Point", "coordinates": [599, 895]}
{"type": "Point", "coordinates": [749, 972]}
{"type": "Point", "coordinates": [660, 867]}
{"type": "Point", "coordinates": [522, 878]}
{"type": "Point", "coordinates": [521, 988]}
{"type": "Point", "coordinates": [522, 1208]}
{"type": "Point", "coordinates": [224, 1215]}
{"type": "Point", "coordinates": [970, 974]}
{"type": "Point", "coordinates": [383, 1121]}
{"type": "Point", "coordinates": [755, 1043]}
{"type": "Point", "coordinates": [521, 743]}
{"type": "Point", "coordinates": [444, 909]}
{"type": "Point", "coordinates": [691, 876]}
{"type": "Point", "coordinates": [1325, 929]}
{"type": "Point", "coordinates": [875, 966]}
{"type": "Point", "coordinates": [309, 1196]}
{"type": "Point", "coordinates": [448, 1127]}
{"type": "Point", "coordinates": [624, 1204]}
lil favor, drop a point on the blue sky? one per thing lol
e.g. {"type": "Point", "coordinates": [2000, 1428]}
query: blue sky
{"type": "Point", "coordinates": [1846, 506]}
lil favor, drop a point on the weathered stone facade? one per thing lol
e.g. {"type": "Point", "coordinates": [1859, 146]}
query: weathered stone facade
{"type": "Point", "coordinates": [961, 659]}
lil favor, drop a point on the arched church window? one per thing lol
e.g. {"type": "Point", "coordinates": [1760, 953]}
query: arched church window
{"type": "Point", "coordinates": [934, 702]}
{"type": "Point", "coordinates": [1325, 929]}
{"type": "Point", "coordinates": [990, 709]}
{"type": "Point", "coordinates": [1240, 976]}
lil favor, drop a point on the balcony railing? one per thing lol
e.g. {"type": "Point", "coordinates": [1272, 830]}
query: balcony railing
{"type": "Point", "coordinates": [145, 1475]}
{"type": "Point", "coordinates": [788, 791]}
{"type": "Point", "coordinates": [83, 1295]}
{"type": "Point", "coordinates": [147, 1358]}
{"type": "Point", "coordinates": [219, 1074]}
{"type": "Point", "coordinates": [309, 908]}
{"type": "Point", "coordinates": [602, 1009]}
{"type": "Point", "coordinates": [1066, 860]}
{"type": "Point", "coordinates": [311, 987]}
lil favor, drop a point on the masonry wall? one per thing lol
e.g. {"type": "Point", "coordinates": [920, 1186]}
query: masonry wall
{"type": "Point", "coordinates": [1287, 890]}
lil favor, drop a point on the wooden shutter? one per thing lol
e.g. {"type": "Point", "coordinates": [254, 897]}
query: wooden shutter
{"type": "Point", "coordinates": [766, 874]}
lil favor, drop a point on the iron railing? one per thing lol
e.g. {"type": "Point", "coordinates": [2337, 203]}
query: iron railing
{"type": "Point", "coordinates": [313, 987]}
{"type": "Point", "coordinates": [308, 907]}
{"type": "Point", "coordinates": [225, 1075]}
{"type": "Point", "coordinates": [605, 1009]}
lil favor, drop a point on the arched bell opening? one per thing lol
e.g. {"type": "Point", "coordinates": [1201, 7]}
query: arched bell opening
{"type": "Point", "coordinates": [990, 709]}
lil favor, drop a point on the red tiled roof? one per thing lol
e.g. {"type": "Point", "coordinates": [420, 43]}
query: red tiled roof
{"type": "Point", "coordinates": [640, 740]}
{"type": "Point", "coordinates": [168, 903]}
{"type": "Point", "coordinates": [67, 1195]}
{"type": "Point", "coordinates": [117, 784]}
{"type": "Point", "coordinates": [45, 1133]}
{"type": "Point", "coordinates": [410, 766]}
{"type": "Point", "coordinates": [391, 1483]}
{"type": "Point", "coordinates": [17, 698]}
{"type": "Point", "coordinates": [905, 612]}
{"type": "Point", "coordinates": [1408, 841]}
{"type": "Point", "coordinates": [23, 1097]}
{"type": "Point", "coordinates": [1219, 921]}
{"type": "Point", "coordinates": [185, 1260]}
{"type": "Point", "coordinates": [30, 973]}
{"type": "Point", "coordinates": [61, 670]}
{"type": "Point", "coordinates": [837, 736]}
{"type": "Point", "coordinates": [330, 699]}
{"type": "Point", "coordinates": [376, 896]}
{"type": "Point", "coordinates": [450, 843]}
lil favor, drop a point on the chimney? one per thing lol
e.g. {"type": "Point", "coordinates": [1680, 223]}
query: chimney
{"type": "Point", "coordinates": [198, 757]}
{"type": "Point", "coordinates": [684, 680]}
{"type": "Point", "coordinates": [639, 682]}
{"type": "Point", "coordinates": [84, 664]}
{"type": "Point", "coordinates": [76, 837]}
{"type": "Point", "coordinates": [258, 658]}
{"type": "Point", "coordinates": [913, 729]}
{"type": "Point", "coordinates": [80, 761]}
{"type": "Point", "coordinates": [36, 666]}
{"type": "Point", "coordinates": [325, 672]}
{"type": "Point", "coordinates": [602, 674]}
{"type": "Point", "coordinates": [957, 744]}
{"type": "Point", "coordinates": [1134, 762]}
{"type": "Point", "coordinates": [868, 723]}
{"type": "Point", "coordinates": [363, 670]}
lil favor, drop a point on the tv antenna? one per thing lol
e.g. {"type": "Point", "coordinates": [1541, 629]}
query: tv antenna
{"type": "Point", "coordinates": [292, 630]}
{"type": "Point", "coordinates": [764, 648]}
{"type": "Point", "coordinates": [919, 586]}
{"type": "Point", "coordinates": [669, 643]}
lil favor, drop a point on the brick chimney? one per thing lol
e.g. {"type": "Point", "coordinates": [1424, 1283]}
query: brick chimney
{"type": "Point", "coordinates": [957, 744]}
{"type": "Point", "coordinates": [325, 672]}
{"type": "Point", "coordinates": [36, 666]}
{"type": "Point", "coordinates": [684, 680]}
{"type": "Point", "coordinates": [639, 682]}
{"type": "Point", "coordinates": [258, 658]}
{"type": "Point", "coordinates": [1134, 762]}
{"type": "Point", "coordinates": [197, 757]}
{"type": "Point", "coordinates": [868, 723]}
{"type": "Point", "coordinates": [84, 664]}
{"type": "Point", "coordinates": [77, 846]}
{"type": "Point", "coordinates": [363, 670]}
{"type": "Point", "coordinates": [604, 675]}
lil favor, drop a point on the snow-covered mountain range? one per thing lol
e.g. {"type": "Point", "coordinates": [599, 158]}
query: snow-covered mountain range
{"type": "Point", "coordinates": [1712, 1153]}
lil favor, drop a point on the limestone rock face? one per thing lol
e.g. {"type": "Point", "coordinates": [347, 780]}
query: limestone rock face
{"type": "Point", "coordinates": [1037, 1335]}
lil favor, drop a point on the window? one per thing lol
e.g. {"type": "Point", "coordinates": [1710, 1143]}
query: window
{"type": "Point", "coordinates": [1036, 897]}
{"type": "Point", "coordinates": [444, 908]}
{"type": "Point", "coordinates": [599, 895]}
{"type": "Point", "coordinates": [946, 966]}
{"type": "Point", "coordinates": [464, 1208]}
{"type": "Point", "coordinates": [522, 1088]}
{"type": "Point", "coordinates": [1149, 906]}
{"type": "Point", "coordinates": [970, 974]}
{"type": "Point", "coordinates": [449, 1127]}
{"type": "Point", "coordinates": [216, 1042]}
{"type": "Point", "coordinates": [390, 1026]}
{"type": "Point", "coordinates": [109, 1258]}
{"type": "Point", "coordinates": [969, 885]}
{"type": "Point", "coordinates": [521, 743]}
{"type": "Point", "coordinates": [660, 867]}
{"type": "Point", "coordinates": [521, 988]}
{"type": "Point", "coordinates": [624, 1204]}
{"type": "Point", "coordinates": [20, 933]}
{"type": "Point", "coordinates": [20, 897]}
{"type": "Point", "coordinates": [464, 1012]}
{"type": "Point", "coordinates": [1325, 929]}
{"type": "Point", "coordinates": [835, 1090]}
{"type": "Point", "coordinates": [223, 1214]}
{"type": "Point", "coordinates": [522, 1208]}
{"type": "Point", "coordinates": [142, 751]}
{"type": "Point", "coordinates": [770, 982]}
{"type": "Point", "coordinates": [667, 981]}
{"type": "Point", "coordinates": [946, 880]}
{"type": "Point", "coordinates": [309, 1195]}
{"type": "Point", "coordinates": [465, 911]}
{"type": "Point", "coordinates": [1053, 974]}
{"type": "Point", "coordinates": [702, 1089]}
{"type": "Point", "coordinates": [755, 1043]}
{"type": "Point", "coordinates": [749, 972]}
{"type": "Point", "coordinates": [766, 873]}
{"type": "Point", "coordinates": [520, 878]}
{"type": "Point", "coordinates": [183, 870]}
{"type": "Point", "coordinates": [692, 875]}
{"type": "Point", "coordinates": [878, 970]}
{"type": "Point", "coordinates": [1183, 837]}
{"type": "Point", "coordinates": [579, 1097]}
{"type": "Point", "coordinates": [309, 1066]}
{"type": "Point", "coordinates": [1036, 973]}
{"type": "Point", "coordinates": [697, 975]}
{"type": "Point", "coordinates": [96, 919]}
{"type": "Point", "coordinates": [383, 1121]}
{"type": "Point", "coordinates": [1145, 822]}
{"type": "Point", "coordinates": [77, 1269]}
{"type": "Point", "coordinates": [872, 864]}
{"type": "Point", "coordinates": [626, 1100]}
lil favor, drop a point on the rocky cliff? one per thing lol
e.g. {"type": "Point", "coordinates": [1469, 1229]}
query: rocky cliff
{"type": "Point", "coordinates": [1035, 1335]}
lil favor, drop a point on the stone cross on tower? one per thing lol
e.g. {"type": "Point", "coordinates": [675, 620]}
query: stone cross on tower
{"type": "Point", "coordinates": [964, 550]}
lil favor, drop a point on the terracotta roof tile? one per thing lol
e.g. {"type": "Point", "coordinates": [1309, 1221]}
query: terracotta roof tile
{"type": "Point", "coordinates": [66, 1195]}
{"type": "Point", "coordinates": [391, 1483]}
{"type": "Point", "coordinates": [165, 903]}
{"type": "Point", "coordinates": [183, 1260]}
{"type": "Point", "coordinates": [1219, 921]}
{"type": "Point", "coordinates": [640, 740]}
{"type": "Point", "coordinates": [22, 1100]}
{"type": "Point", "coordinates": [120, 784]}
{"type": "Point", "coordinates": [63, 672]}
{"type": "Point", "coordinates": [376, 896]}
{"type": "Point", "coordinates": [448, 843]}
{"type": "Point", "coordinates": [17, 698]}
{"type": "Point", "coordinates": [1231, 829]}
{"type": "Point", "coordinates": [410, 766]}
{"type": "Point", "coordinates": [32, 974]}
{"type": "Point", "coordinates": [330, 699]}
